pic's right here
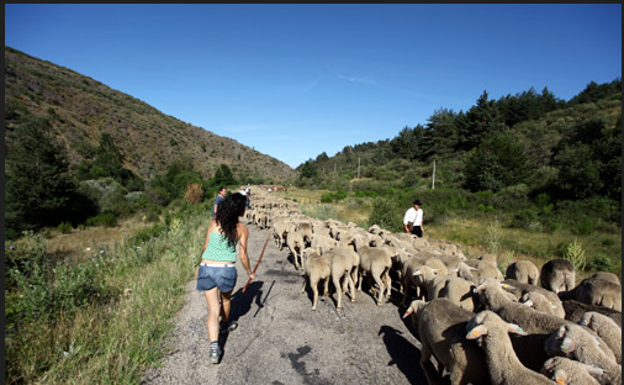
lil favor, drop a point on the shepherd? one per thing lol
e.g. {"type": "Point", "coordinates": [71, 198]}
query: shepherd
{"type": "Point", "coordinates": [217, 271]}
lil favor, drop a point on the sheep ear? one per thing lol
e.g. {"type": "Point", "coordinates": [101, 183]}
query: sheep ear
{"type": "Point", "coordinates": [408, 312]}
{"type": "Point", "coordinates": [559, 380]}
{"type": "Point", "coordinates": [479, 288]}
{"type": "Point", "coordinates": [476, 332]}
{"type": "Point", "coordinates": [516, 329]}
{"type": "Point", "coordinates": [528, 303]}
{"type": "Point", "coordinates": [568, 345]}
{"type": "Point", "coordinates": [417, 272]}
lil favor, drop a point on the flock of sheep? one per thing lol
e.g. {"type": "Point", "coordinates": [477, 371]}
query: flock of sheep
{"type": "Point", "coordinates": [531, 326]}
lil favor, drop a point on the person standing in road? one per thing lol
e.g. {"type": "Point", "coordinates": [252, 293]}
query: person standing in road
{"type": "Point", "coordinates": [217, 271]}
{"type": "Point", "coordinates": [413, 220]}
{"type": "Point", "coordinates": [218, 199]}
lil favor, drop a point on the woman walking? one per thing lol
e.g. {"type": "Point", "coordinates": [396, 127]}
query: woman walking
{"type": "Point", "coordinates": [217, 272]}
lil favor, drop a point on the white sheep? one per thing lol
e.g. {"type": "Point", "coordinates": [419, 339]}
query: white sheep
{"type": "Point", "coordinates": [296, 245]}
{"type": "Point", "coordinates": [606, 329]}
{"type": "Point", "coordinates": [503, 364]}
{"type": "Point", "coordinates": [565, 371]}
{"type": "Point", "coordinates": [574, 311]}
{"type": "Point", "coordinates": [520, 290]}
{"type": "Point", "coordinates": [441, 330]}
{"type": "Point", "coordinates": [344, 262]}
{"type": "Point", "coordinates": [596, 291]}
{"type": "Point", "coordinates": [558, 275]}
{"type": "Point", "coordinates": [375, 263]}
{"type": "Point", "coordinates": [459, 291]}
{"type": "Point", "coordinates": [574, 342]}
{"type": "Point", "coordinates": [523, 271]}
{"type": "Point", "coordinates": [316, 269]}
{"type": "Point", "coordinates": [539, 302]}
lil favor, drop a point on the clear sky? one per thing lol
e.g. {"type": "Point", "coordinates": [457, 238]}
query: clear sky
{"type": "Point", "coordinates": [293, 81]}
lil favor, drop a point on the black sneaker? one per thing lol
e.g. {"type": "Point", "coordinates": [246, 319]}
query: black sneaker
{"type": "Point", "coordinates": [229, 327]}
{"type": "Point", "coordinates": [215, 355]}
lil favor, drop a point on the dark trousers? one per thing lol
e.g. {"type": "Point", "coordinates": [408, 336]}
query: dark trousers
{"type": "Point", "coordinates": [417, 231]}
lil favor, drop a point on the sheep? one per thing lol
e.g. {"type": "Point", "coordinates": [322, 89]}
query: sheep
{"type": "Point", "coordinates": [428, 282]}
{"type": "Point", "coordinates": [375, 262]}
{"type": "Point", "coordinates": [344, 260]}
{"type": "Point", "coordinates": [539, 302]}
{"type": "Point", "coordinates": [281, 229]}
{"type": "Point", "coordinates": [491, 258]}
{"type": "Point", "coordinates": [316, 269]}
{"type": "Point", "coordinates": [523, 271]}
{"type": "Point", "coordinates": [569, 372]}
{"type": "Point", "coordinates": [574, 311]}
{"type": "Point", "coordinates": [485, 269]}
{"type": "Point", "coordinates": [296, 244]}
{"type": "Point", "coordinates": [558, 275]}
{"type": "Point", "coordinates": [304, 227]}
{"type": "Point", "coordinates": [607, 276]}
{"type": "Point", "coordinates": [476, 271]}
{"type": "Point", "coordinates": [574, 342]}
{"type": "Point", "coordinates": [457, 290]}
{"type": "Point", "coordinates": [504, 366]}
{"type": "Point", "coordinates": [606, 329]}
{"type": "Point", "coordinates": [441, 330]}
{"type": "Point", "coordinates": [596, 291]}
{"type": "Point", "coordinates": [521, 289]}
{"type": "Point", "coordinates": [490, 296]}
{"type": "Point", "coordinates": [322, 242]}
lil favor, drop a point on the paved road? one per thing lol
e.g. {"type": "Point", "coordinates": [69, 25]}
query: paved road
{"type": "Point", "coordinates": [280, 340]}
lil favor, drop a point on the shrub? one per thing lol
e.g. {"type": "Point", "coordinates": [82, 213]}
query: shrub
{"type": "Point", "coordinates": [327, 198]}
{"type": "Point", "coordinates": [64, 227]}
{"type": "Point", "coordinates": [586, 227]}
{"type": "Point", "coordinates": [340, 195]}
{"type": "Point", "coordinates": [600, 263]}
{"type": "Point", "coordinates": [576, 255]}
{"type": "Point", "coordinates": [106, 219]}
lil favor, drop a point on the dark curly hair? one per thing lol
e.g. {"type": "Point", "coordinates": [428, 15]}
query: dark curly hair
{"type": "Point", "coordinates": [227, 216]}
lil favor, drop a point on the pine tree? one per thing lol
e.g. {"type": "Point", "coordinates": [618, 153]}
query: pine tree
{"type": "Point", "coordinates": [39, 187]}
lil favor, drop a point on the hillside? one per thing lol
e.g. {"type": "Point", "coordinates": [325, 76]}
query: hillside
{"type": "Point", "coordinates": [80, 109]}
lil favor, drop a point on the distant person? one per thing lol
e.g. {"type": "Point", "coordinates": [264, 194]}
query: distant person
{"type": "Point", "coordinates": [217, 271]}
{"type": "Point", "coordinates": [220, 197]}
{"type": "Point", "coordinates": [413, 220]}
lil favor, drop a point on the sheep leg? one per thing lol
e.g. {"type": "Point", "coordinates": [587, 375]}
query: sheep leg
{"type": "Point", "coordinates": [336, 280]}
{"type": "Point", "coordinates": [388, 284]}
{"type": "Point", "coordinates": [379, 281]}
{"type": "Point", "coordinates": [426, 365]}
{"type": "Point", "coordinates": [314, 283]}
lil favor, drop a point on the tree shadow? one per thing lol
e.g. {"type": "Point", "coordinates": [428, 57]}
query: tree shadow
{"type": "Point", "coordinates": [404, 355]}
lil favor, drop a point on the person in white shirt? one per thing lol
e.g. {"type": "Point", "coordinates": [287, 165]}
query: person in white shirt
{"type": "Point", "coordinates": [413, 220]}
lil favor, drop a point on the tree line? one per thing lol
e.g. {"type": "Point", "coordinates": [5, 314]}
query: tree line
{"type": "Point", "coordinates": [569, 150]}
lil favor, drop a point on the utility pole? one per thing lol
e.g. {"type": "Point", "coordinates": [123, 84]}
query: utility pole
{"type": "Point", "coordinates": [358, 167]}
{"type": "Point", "coordinates": [433, 179]}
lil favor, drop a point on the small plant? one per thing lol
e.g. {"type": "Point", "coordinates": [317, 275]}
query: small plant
{"type": "Point", "coordinates": [64, 228]}
{"type": "Point", "coordinates": [494, 235]}
{"type": "Point", "coordinates": [576, 255]}
{"type": "Point", "coordinates": [586, 227]}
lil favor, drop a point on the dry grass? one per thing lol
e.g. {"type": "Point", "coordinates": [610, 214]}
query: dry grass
{"type": "Point", "coordinates": [72, 246]}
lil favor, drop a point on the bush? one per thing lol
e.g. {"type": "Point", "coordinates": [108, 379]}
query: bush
{"type": "Point", "coordinates": [106, 220]}
{"type": "Point", "coordinates": [586, 227]}
{"type": "Point", "coordinates": [387, 214]}
{"type": "Point", "coordinates": [600, 263]}
{"type": "Point", "coordinates": [64, 228]}
{"type": "Point", "coordinates": [327, 198]}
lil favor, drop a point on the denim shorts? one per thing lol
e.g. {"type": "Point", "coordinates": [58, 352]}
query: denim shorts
{"type": "Point", "coordinates": [209, 277]}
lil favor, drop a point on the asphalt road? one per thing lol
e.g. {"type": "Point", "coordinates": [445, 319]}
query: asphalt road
{"type": "Point", "coordinates": [281, 340]}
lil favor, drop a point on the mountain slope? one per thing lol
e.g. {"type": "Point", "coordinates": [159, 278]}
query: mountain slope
{"type": "Point", "coordinates": [80, 109]}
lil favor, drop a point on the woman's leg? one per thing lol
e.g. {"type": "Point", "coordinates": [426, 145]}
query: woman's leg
{"type": "Point", "coordinates": [212, 321]}
{"type": "Point", "coordinates": [226, 305]}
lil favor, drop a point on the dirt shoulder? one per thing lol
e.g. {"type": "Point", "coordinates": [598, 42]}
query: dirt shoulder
{"type": "Point", "coordinates": [281, 340]}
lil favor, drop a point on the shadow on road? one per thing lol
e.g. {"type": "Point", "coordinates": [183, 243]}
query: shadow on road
{"type": "Point", "coordinates": [404, 354]}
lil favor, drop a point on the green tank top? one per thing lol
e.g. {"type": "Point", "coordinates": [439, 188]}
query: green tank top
{"type": "Point", "coordinates": [218, 249]}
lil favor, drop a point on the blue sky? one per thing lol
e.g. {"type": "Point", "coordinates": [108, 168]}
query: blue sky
{"type": "Point", "coordinates": [293, 81]}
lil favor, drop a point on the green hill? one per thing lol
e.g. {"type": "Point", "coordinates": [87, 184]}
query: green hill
{"type": "Point", "coordinates": [81, 109]}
